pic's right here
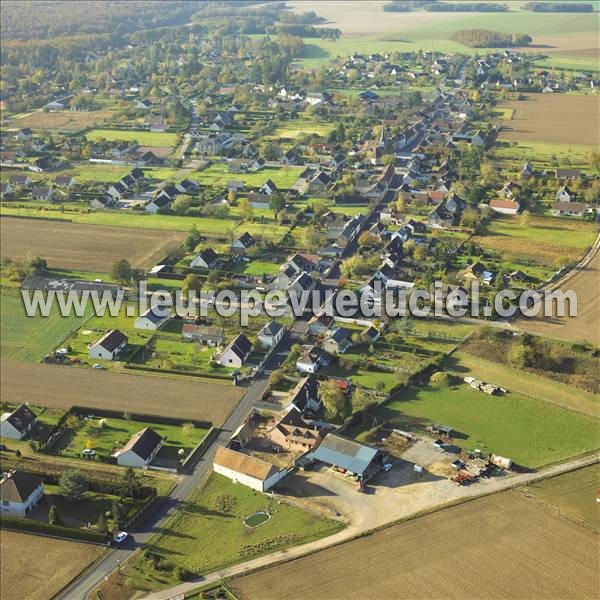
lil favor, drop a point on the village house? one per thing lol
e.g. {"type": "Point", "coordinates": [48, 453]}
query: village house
{"type": "Point", "coordinates": [564, 194]}
{"type": "Point", "coordinates": [42, 193]}
{"type": "Point", "coordinates": [65, 181]}
{"type": "Point", "coordinates": [292, 433]}
{"type": "Point", "coordinates": [237, 352]}
{"type": "Point", "coordinates": [477, 271]}
{"type": "Point", "coordinates": [319, 324]}
{"type": "Point", "coordinates": [268, 188]}
{"type": "Point", "coordinates": [206, 259]}
{"type": "Point", "coordinates": [271, 334]}
{"type": "Point", "coordinates": [6, 191]}
{"type": "Point", "coordinates": [305, 396]}
{"type": "Point", "coordinates": [505, 207]}
{"type": "Point", "coordinates": [20, 492]}
{"type": "Point", "coordinates": [243, 243]}
{"type": "Point", "coordinates": [109, 346]}
{"type": "Point", "coordinates": [211, 335]}
{"type": "Point", "coordinates": [140, 450]}
{"type": "Point", "coordinates": [313, 359]}
{"type": "Point", "coordinates": [248, 470]}
{"type": "Point", "coordinates": [153, 318]}
{"type": "Point", "coordinates": [338, 341]}
{"type": "Point", "coordinates": [573, 209]}
{"type": "Point", "coordinates": [17, 424]}
{"type": "Point", "coordinates": [572, 174]}
{"type": "Point", "coordinates": [161, 202]}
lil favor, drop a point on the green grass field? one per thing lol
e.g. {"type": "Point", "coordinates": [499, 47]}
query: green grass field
{"type": "Point", "coordinates": [205, 225]}
{"type": "Point", "coordinates": [573, 493]}
{"type": "Point", "coordinates": [292, 129]}
{"type": "Point", "coordinates": [117, 432]}
{"type": "Point", "coordinates": [143, 138]}
{"type": "Point", "coordinates": [218, 175]}
{"type": "Point", "coordinates": [110, 173]}
{"type": "Point", "coordinates": [30, 338]}
{"type": "Point", "coordinates": [528, 384]}
{"type": "Point", "coordinates": [542, 154]}
{"type": "Point", "coordinates": [208, 532]}
{"type": "Point", "coordinates": [530, 431]}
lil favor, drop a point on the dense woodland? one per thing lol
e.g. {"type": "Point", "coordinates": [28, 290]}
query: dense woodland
{"type": "Point", "coordinates": [558, 7]}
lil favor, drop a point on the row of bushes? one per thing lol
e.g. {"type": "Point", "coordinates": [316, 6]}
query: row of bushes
{"type": "Point", "coordinates": [33, 526]}
{"type": "Point", "coordinates": [177, 372]}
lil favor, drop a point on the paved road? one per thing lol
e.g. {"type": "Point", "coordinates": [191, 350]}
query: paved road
{"type": "Point", "coordinates": [486, 487]}
{"type": "Point", "coordinates": [79, 589]}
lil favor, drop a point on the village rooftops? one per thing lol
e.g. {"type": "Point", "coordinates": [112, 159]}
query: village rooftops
{"type": "Point", "coordinates": [112, 340]}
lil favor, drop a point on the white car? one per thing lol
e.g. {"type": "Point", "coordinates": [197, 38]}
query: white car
{"type": "Point", "coordinates": [387, 467]}
{"type": "Point", "coordinates": [97, 366]}
{"type": "Point", "coordinates": [120, 537]}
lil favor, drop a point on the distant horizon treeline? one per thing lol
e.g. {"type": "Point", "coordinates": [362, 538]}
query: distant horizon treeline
{"type": "Point", "coordinates": [484, 38]}
{"type": "Point", "coordinates": [558, 7]}
{"type": "Point", "coordinates": [435, 6]}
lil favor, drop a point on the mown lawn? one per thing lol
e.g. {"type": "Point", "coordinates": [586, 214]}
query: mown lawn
{"type": "Point", "coordinates": [143, 138]}
{"type": "Point", "coordinates": [30, 338]}
{"type": "Point", "coordinates": [110, 173]}
{"type": "Point", "coordinates": [116, 433]}
{"type": "Point", "coordinates": [204, 225]}
{"type": "Point", "coordinates": [529, 431]}
{"type": "Point", "coordinates": [208, 532]}
{"type": "Point", "coordinates": [218, 175]}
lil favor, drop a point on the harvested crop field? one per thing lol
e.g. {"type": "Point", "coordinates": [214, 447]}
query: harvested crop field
{"type": "Point", "coordinates": [585, 327]}
{"type": "Point", "coordinates": [573, 494]}
{"type": "Point", "coordinates": [38, 567]}
{"type": "Point", "coordinates": [85, 247]}
{"type": "Point", "coordinates": [65, 120]}
{"type": "Point", "coordinates": [62, 387]}
{"type": "Point", "coordinates": [537, 119]}
{"type": "Point", "coordinates": [490, 547]}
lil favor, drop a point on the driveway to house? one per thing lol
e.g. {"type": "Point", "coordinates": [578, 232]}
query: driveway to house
{"type": "Point", "coordinates": [422, 495]}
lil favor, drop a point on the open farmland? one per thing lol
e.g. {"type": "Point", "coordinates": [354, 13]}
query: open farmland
{"type": "Point", "coordinates": [25, 338]}
{"type": "Point", "coordinates": [62, 387]}
{"type": "Point", "coordinates": [536, 119]}
{"type": "Point", "coordinates": [573, 494]}
{"type": "Point", "coordinates": [87, 247]}
{"type": "Point", "coordinates": [552, 238]}
{"type": "Point", "coordinates": [586, 326]}
{"type": "Point", "coordinates": [65, 120]}
{"type": "Point", "coordinates": [143, 138]}
{"type": "Point", "coordinates": [39, 566]}
{"type": "Point", "coordinates": [529, 430]}
{"type": "Point", "coordinates": [433, 557]}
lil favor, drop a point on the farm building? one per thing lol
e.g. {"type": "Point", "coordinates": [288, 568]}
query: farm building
{"type": "Point", "coordinates": [154, 318]}
{"type": "Point", "coordinates": [140, 449]}
{"type": "Point", "coordinates": [206, 259]}
{"type": "Point", "coordinates": [574, 209]}
{"type": "Point", "coordinates": [505, 207]}
{"type": "Point", "coordinates": [20, 492]}
{"type": "Point", "coordinates": [350, 456]}
{"type": "Point", "coordinates": [109, 346]}
{"type": "Point", "coordinates": [247, 470]}
{"type": "Point", "coordinates": [17, 424]}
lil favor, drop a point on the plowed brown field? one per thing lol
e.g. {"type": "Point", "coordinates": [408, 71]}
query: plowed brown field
{"type": "Point", "coordinates": [62, 387]}
{"type": "Point", "coordinates": [37, 568]}
{"type": "Point", "coordinates": [87, 247]}
{"type": "Point", "coordinates": [503, 546]}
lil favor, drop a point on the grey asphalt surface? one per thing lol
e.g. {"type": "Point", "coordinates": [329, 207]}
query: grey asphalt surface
{"type": "Point", "coordinates": [81, 587]}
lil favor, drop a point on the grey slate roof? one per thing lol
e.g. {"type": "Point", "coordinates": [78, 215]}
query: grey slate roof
{"type": "Point", "coordinates": [345, 453]}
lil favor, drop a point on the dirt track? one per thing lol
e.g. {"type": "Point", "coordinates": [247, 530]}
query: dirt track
{"type": "Point", "coordinates": [87, 247]}
{"type": "Point", "coordinates": [62, 387]}
{"type": "Point", "coordinates": [586, 326]}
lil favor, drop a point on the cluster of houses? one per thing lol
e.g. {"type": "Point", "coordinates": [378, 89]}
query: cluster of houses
{"type": "Point", "coordinates": [119, 190]}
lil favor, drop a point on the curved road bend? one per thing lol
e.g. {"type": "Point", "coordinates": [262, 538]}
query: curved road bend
{"type": "Point", "coordinates": [81, 587]}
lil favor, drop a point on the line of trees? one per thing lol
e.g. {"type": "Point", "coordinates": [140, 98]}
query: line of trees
{"type": "Point", "coordinates": [466, 7]}
{"type": "Point", "coordinates": [558, 7]}
{"type": "Point", "coordinates": [483, 38]}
